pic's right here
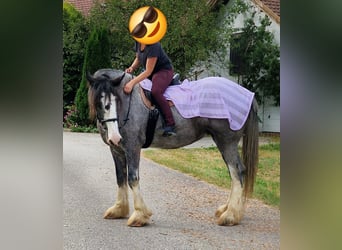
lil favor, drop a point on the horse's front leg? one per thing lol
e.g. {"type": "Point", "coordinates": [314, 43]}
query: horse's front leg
{"type": "Point", "coordinates": [141, 214]}
{"type": "Point", "coordinates": [121, 207]}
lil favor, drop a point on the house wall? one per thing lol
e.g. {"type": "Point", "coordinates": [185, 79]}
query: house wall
{"type": "Point", "coordinates": [273, 28]}
{"type": "Point", "coordinates": [269, 114]}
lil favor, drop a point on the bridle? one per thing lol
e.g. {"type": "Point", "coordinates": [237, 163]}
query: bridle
{"type": "Point", "coordinates": [103, 121]}
{"type": "Point", "coordinates": [116, 119]}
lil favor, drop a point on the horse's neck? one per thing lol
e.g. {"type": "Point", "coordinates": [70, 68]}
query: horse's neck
{"type": "Point", "coordinates": [129, 101]}
{"type": "Point", "coordinates": [135, 95]}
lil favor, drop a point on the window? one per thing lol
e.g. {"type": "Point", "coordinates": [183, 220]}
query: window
{"type": "Point", "coordinates": [238, 65]}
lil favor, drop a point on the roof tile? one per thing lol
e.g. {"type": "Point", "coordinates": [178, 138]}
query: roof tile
{"type": "Point", "coordinates": [83, 6]}
{"type": "Point", "coordinates": [274, 5]}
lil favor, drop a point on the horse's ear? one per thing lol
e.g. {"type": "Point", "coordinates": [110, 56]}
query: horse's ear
{"type": "Point", "coordinates": [117, 80]}
{"type": "Point", "coordinates": [90, 79]}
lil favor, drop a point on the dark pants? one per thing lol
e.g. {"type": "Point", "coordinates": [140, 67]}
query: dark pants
{"type": "Point", "coordinates": [160, 81]}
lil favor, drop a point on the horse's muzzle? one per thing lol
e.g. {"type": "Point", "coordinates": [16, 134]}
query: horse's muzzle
{"type": "Point", "coordinates": [114, 139]}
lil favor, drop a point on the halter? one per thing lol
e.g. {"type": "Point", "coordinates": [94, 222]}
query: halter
{"type": "Point", "coordinates": [115, 119]}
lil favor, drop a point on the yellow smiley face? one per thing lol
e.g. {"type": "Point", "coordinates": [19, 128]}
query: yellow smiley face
{"type": "Point", "coordinates": [147, 25]}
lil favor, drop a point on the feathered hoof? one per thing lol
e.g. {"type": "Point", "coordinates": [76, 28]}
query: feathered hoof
{"type": "Point", "coordinates": [221, 210]}
{"type": "Point", "coordinates": [117, 212]}
{"type": "Point", "coordinates": [228, 218]}
{"type": "Point", "coordinates": [139, 218]}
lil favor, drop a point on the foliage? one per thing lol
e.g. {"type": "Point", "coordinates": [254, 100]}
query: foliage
{"type": "Point", "coordinates": [97, 56]}
{"type": "Point", "coordinates": [192, 32]}
{"type": "Point", "coordinates": [70, 119]}
{"type": "Point", "coordinates": [257, 51]}
{"type": "Point", "coordinates": [75, 32]}
{"type": "Point", "coordinates": [115, 15]}
{"type": "Point", "coordinates": [262, 59]}
{"type": "Point", "coordinates": [190, 35]}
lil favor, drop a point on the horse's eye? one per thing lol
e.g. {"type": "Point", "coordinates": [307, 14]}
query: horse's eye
{"type": "Point", "coordinates": [107, 107]}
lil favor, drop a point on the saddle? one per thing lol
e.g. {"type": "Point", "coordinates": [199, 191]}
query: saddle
{"type": "Point", "coordinates": [154, 112]}
{"type": "Point", "coordinates": [147, 96]}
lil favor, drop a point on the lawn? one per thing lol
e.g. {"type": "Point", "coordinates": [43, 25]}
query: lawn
{"type": "Point", "coordinates": [207, 164]}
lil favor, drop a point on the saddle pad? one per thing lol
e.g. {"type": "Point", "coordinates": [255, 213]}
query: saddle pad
{"type": "Point", "coordinates": [211, 97]}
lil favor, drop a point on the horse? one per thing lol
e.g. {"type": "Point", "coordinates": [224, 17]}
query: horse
{"type": "Point", "coordinates": [122, 121]}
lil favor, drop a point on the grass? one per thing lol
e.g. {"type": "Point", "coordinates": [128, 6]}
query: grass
{"type": "Point", "coordinates": [207, 164]}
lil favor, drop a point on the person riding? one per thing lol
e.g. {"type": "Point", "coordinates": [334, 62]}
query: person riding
{"type": "Point", "coordinates": [158, 68]}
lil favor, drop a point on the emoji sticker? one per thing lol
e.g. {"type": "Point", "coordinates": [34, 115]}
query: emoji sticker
{"type": "Point", "coordinates": [147, 25]}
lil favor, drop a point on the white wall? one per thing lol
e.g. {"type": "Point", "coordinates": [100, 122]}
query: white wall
{"type": "Point", "coordinates": [273, 28]}
{"type": "Point", "coordinates": [270, 115]}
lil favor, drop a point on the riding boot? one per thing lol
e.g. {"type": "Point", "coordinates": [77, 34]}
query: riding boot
{"type": "Point", "coordinates": [169, 131]}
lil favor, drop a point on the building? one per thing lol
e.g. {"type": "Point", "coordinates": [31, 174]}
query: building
{"type": "Point", "coordinates": [268, 113]}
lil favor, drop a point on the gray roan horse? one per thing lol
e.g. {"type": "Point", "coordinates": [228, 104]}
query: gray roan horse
{"type": "Point", "coordinates": [122, 121]}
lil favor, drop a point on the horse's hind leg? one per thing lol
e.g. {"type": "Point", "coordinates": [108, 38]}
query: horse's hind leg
{"type": "Point", "coordinates": [121, 207]}
{"type": "Point", "coordinates": [141, 214]}
{"type": "Point", "coordinates": [231, 213]}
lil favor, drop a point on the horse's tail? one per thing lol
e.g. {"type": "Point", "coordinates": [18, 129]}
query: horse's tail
{"type": "Point", "coordinates": [250, 149]}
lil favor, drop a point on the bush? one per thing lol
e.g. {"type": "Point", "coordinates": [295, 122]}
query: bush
{"type": "Point", "coordinates": [70, 118]}
{"type": "Point", "coordinates": [97, 56]}
{"type": "Point", "coordinates": [71, 121]}
{"type": "Point", "coordinates": [75, 32]}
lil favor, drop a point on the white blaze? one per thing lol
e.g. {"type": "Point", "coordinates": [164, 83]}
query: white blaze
{"type": "Point", "coordinates": [110, 113]}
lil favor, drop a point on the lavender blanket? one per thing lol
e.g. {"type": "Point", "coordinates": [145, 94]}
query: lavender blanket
{"type": "Point", "coordinates": [211, 97]}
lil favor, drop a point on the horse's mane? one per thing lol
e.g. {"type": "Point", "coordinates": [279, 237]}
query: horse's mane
{"type": "Point", "coordinates": [103, 81]}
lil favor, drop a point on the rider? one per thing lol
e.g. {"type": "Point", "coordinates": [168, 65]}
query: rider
{"type": "Point", "coordinates": [158, 68]}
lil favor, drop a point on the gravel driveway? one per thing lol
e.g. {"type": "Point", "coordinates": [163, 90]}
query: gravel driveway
{"type": "Point", "coordinates": [183, 207]}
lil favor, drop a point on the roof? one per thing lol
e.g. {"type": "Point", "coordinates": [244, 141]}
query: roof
{"type": "Point", "coordinates": [82, 6]}
{"type": "Point", "coordinates": [274, 5]}
{"type": "Point", "coordinates": [270, 7]}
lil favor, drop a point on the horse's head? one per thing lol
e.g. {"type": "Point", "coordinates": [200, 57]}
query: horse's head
{"type": "Point", "coordinates": [104, 88]}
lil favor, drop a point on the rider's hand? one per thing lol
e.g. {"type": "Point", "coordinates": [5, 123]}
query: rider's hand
{"type": "Point", "coordinates": [129, 70]}
{"type": "Point", "coordinates": [128, 88]}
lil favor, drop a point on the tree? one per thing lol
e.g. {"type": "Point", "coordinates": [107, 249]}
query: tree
{"type": "Point", "coordinates": [261, 59]}
{"type": "Point", "coordinates": [192, 32]}
{"type": "Point", "coordinates": [97, 56]}
{"type": "Point", "coordinates": [114, 15]}
{"type": "Point", "coordinates": [75, 32]}
{"type": "Point", "coordinates": [257, 56]}
{"type": "Point", "coordinates": [190, 36]}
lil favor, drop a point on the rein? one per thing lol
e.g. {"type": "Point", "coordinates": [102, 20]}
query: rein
{"type": "Point", "coordinates": [129, 109]}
